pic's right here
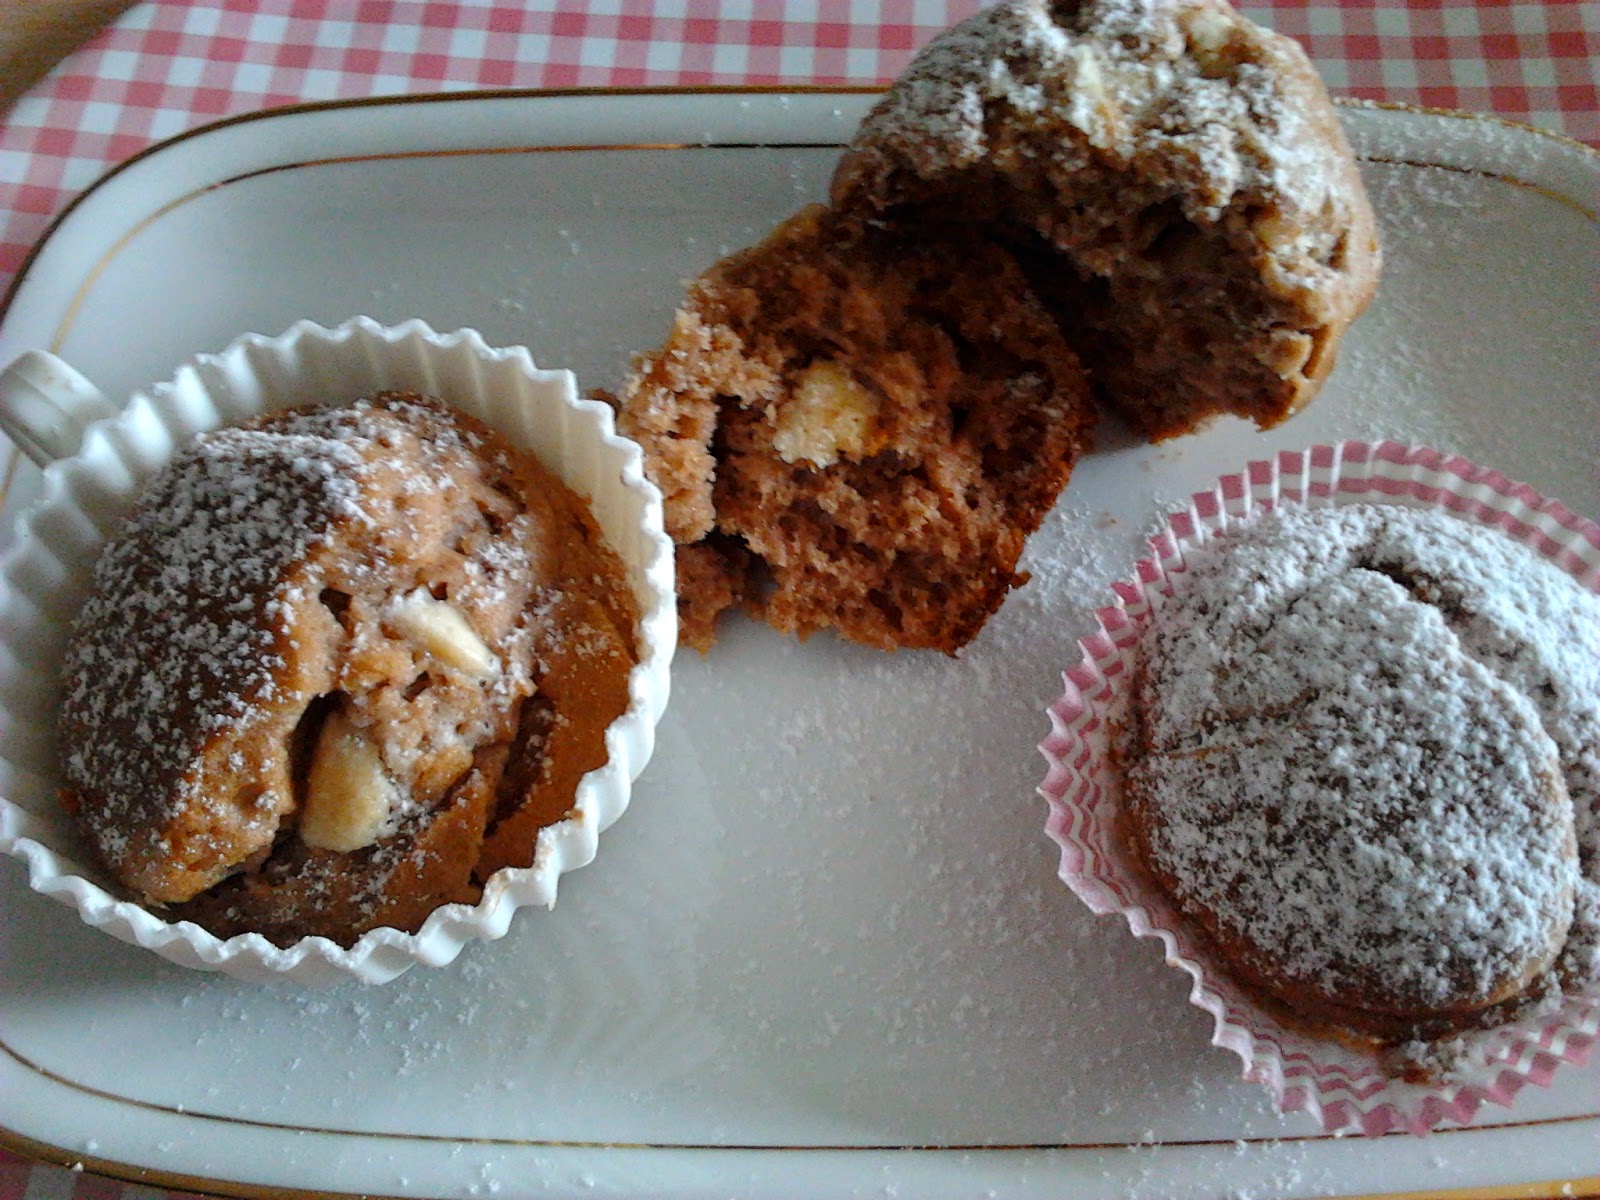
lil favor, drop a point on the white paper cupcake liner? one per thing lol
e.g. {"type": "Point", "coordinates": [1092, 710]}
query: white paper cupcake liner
{"type": "Point", "coordinates": [44, 578]}
{"type": "Point", "coordinates": [1338, 1085]}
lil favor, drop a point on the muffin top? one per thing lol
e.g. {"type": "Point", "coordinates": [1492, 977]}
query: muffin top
{"type": "Point", "coordinates": [1176, 177]}
{"type": "Point", "coordinates": [1197, 101]}
{"type": "Point", "coordinates": [1363, 760]}
{"type": "Point", "coordinates": [311, 663]}
{"type": "Point", "coordinates": [185, 628]}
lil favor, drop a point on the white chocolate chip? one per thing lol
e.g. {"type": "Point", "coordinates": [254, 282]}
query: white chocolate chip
{"type": "Point", "coordinates": [439, 629]}
{"type": "Point", "coordinates": [350, 799]}
{"type": "Point", "coordinates": [829, 414]}
{"type": "Point", "coordinates": [1087, 79]}
{"type": "Point", "coordinates": [1209, 36]}
{"type": "Point", "coordinates": [1091, 108]}
{"type": "Point", "coordinates": [1287, 351]}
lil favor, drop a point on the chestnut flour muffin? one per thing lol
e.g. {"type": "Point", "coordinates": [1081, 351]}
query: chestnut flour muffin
{"type": "Point", "coordinates": [329, 673]}
{"type": "Point", "coordinates": [856, 430]}
{"type": "Point", "coordinates": [858, 422]}
{"type": "Point", "coordinates": [1173, 175]}
{"type": "Point", "coordinates": [1362, 761]}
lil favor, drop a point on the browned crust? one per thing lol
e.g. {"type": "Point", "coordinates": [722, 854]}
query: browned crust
{"type": "Point", "coordinates": [220, 859]}
{"type": "Point", "coordinates": [1109, 248]}
{"type": "Point", "coordinates": [583, 688]}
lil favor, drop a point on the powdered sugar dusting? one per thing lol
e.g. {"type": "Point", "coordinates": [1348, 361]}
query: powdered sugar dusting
{"type": "Point", "coordinates": [177, 638]}
{"type": "Point", "coordinates": [1198, 92]}
{"type": "Point", "coordinates": [1371, 736]}
{"type": "Point", "coordinates": [214, 616]}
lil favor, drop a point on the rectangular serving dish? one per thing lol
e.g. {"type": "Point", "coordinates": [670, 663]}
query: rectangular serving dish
{"type": "Point", "coordinates": [826, 951]}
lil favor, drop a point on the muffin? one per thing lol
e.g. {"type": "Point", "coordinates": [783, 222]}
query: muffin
{"type": "Point", "coordinates": [1359, 758]}
{"type": "Point", "coordinates": [1173, 176]}
{"type": "Point", "coordinates": [855, 429]}
{"type": "Point", "coordinates": [1350, 691]}
{"type": "Point", "coordinates": [314, 687]}
{"type": "Point", "coordinates": [858, 422]}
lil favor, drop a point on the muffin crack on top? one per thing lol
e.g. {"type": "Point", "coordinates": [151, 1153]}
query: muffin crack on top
{"type": "Point", "coordinates": [1360, 759]}
{"type": "Point", "coordinates": [1162, 186]}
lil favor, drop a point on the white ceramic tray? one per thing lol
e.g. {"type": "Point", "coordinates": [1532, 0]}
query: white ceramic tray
{"type": "Point", "coordinates": [827, 952]}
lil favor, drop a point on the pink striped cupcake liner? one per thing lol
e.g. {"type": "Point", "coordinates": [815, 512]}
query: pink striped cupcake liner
{"type": "Point", "coordinates": [1338, 1085]}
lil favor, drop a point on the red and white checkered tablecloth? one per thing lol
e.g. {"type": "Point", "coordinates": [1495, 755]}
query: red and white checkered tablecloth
{"type": "Point", "coordinates": [171, 65]}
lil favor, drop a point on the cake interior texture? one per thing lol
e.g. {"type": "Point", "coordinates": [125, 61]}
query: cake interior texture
{"type": "Point", "coordinates": [854, 431]}
{"type": "Point", "coordinates": [1144, 207]}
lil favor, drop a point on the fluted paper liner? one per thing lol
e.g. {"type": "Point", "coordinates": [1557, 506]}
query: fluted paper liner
{"type": "Point", "coordinates": [1338, 1085]}
{"type": "Point", "coordinates": [44, 578]}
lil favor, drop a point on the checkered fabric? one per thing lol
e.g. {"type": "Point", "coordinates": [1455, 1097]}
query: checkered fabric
{"type": "Point", "coordinates": [168, 65]}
